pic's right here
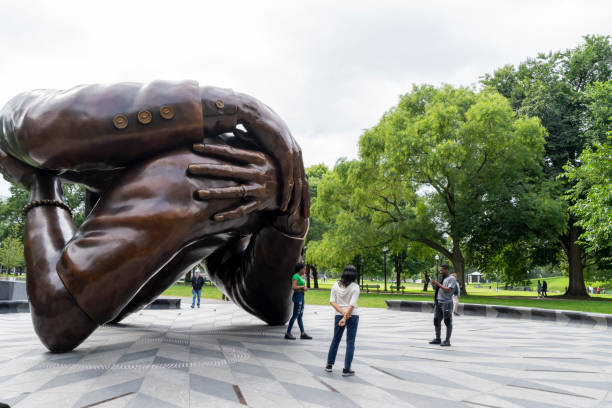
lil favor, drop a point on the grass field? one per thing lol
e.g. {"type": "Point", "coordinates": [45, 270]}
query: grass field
{"type": "Point", "coordinates": [556, 285]}
{"type": "Point", "coordinates": [596, 304]}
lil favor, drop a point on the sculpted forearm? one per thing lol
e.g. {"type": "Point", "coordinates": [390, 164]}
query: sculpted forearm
{"type": "Point", "coordinates": [58, 320]}
{"type": "Point", "coordinates": [48, 228]}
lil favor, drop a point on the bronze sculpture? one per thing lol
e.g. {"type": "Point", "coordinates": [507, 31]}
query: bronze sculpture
{"type": "Point", "coordinates": [170, 181]}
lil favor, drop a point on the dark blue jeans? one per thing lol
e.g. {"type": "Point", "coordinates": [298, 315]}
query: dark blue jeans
{"type": "Point", "coordinates": [196, 293]}
{"type": "Point", "coordinates": [351, 332]}
{"type": "Point", "coordinates": [298, 311]}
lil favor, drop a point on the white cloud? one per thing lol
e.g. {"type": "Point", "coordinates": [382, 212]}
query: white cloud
{"type": "Point", "coordinates": [330, 69]}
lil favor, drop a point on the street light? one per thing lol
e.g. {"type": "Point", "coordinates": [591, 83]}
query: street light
{"type": "Point", "coordinates": [437, 259]}
{"type": "Point", "coordinates": [385, 265]}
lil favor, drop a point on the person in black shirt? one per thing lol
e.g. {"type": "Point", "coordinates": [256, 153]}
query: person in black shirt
{"type": "Point", "coordinates": [544, 288]}
{"type": "Point", "coordinates": [196, 284]}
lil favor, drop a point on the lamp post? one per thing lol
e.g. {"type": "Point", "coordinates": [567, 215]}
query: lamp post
{"type": "Point", "coordinates": [385, 265]}
{"type": "Point", "coordinates": [437, 268]}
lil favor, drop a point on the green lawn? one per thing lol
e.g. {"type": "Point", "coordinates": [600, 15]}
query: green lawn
{"type": "Point", "coordinates": [556, 286]}
{"type": "Point", "coordinates": [321, 297]}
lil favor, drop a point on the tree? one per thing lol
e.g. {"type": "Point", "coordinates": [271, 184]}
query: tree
{"type": "Point", "coordinates": [555, 88]}
{"type": "Point", "coordinates": [451, 168]}
{"type": "Point", "coordinates": [591, 195]}
{"type": "Point", "coordinates": [317, 226]}
{"type": "Point", "coordinates": [11, 252]}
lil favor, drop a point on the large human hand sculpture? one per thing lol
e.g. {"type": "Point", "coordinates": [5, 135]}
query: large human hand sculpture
{"type": "Point", "coordinates": [164, 204]}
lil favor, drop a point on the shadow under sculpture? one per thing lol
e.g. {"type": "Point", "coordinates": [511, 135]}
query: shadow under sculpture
{"type": "Point", "coordinates": [170, 181]}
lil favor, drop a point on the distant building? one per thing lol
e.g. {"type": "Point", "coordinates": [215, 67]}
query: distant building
{"type": "Point", "coordinates": [475, 277]}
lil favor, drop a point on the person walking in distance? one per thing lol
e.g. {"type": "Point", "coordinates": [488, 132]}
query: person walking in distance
{"type": "Point", "coordinates": [539, 289]}
{"type": "Point", "coordinates": [544, 289]}
{"type": "Point", "coordinates": [197, 282]}
{"type": "Point", "coordinates": [444, 305]}
{"type": "Point", "coordinates": [343, 298]}
{"type": "Point", "coordinates": [456, 295]}
{"type": "Point", "coordinates": [299, 287]}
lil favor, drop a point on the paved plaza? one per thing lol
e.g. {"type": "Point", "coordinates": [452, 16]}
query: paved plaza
{"type": "Point", "coordinates": [220, 356]}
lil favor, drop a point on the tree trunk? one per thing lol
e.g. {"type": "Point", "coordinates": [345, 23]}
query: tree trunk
{"type": "Point", "coordinates": [308, 278]}
{"type": "Point", "coordinates": [459, 266]}
{"type": "Point", "coordinates": [315, 276]}
{"type": "Point", "coordinates": [574, 258]}
{"type": "Point", "coordinates": [398, 270]}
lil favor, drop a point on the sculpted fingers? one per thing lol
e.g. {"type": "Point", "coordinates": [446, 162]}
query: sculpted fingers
{"type": "Point", "coordinates": [238, 212]}
{"type": "Point", "coordinates": [227, 171]}
{"type": "Point", "coordinates": [242, 191]}
{"type": "Point", "coordinates": [231, 153]}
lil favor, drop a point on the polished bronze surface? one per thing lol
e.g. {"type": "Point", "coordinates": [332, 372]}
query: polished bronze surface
{"type": "Point", "coordinates": [160, 199]}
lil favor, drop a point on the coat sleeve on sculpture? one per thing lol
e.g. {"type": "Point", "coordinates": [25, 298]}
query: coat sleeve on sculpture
{"type": "Point", "coordinates": [258, 277]}
{"type": "Point", "coordinates": [101, 126]}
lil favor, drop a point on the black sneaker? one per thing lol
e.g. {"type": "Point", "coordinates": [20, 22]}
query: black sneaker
{"type": "Point", "coordinates": [347, 372]}
{"type": "Point", "coordinates": [445, 343]}
{"type": "Point", "coordinates": [305, 337]}
{"type": "Point", "coordinates": [435, 341]}
{"type": "Point", "coordinates": [328, 368]}
{"type": "Point", "coordinates": [289, 336]}
{"type": "Point", "coordinates": [192, 306]}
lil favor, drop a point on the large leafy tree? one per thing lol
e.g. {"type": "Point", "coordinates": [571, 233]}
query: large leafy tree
{"type": "Point", "coordinates": [555, 88]}
{"type": "Point", "coordinates": [591, 195]}
{"type": "Point", "coordinates": [454, 169]}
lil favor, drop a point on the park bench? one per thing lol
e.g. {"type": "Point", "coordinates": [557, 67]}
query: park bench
{"type": "Point", "coordinates": [401, 288]}
{"type": "Point", "coordinates": [368, 287]}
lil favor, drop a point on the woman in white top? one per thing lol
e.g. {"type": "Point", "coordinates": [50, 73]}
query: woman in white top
{"type": "Point", "coordinates": [343, 298]}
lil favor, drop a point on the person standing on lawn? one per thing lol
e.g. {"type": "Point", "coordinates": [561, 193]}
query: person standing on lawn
{"type": "Point", "coordinates": [299, 287]}
{"type": "Point", "coordinates": [196, 288]}
{"type": "Point", "coordinates": [343, 298]}
{"type": "Point", "coordinates": [444, 305]}
{"type": "Point", "coordinates": [539, 289]}
{"type": "Point", "coordinates": [544, 289]}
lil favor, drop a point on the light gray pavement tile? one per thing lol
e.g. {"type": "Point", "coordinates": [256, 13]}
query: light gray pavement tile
{"type": "Point", "coordinates": [199, 400]}
{"type": "Point", "coordinates": [50, 399]}
{"type": "Point", "coordinates": [425, 401]}
{"type": "Point", "coordinates": [258, 398]}
{"type": "Point", "coordinates": [137, 356]}
{"type": "Point", "coordinates": [71, 379]}
{"type": "Point", "coordinates": [531, 404]}
{"type": "Point", "coordinates": [112, 392]}
{"type": "Point", "coordinates": [487, 400]}
{"type": "Point", "coordinates": [167, 385]}
{"type": "Point", "coordinates": [318, 396]}
{"type": "Point", "coordinates": [143, 400]}
{"type": "Point", "coordinates": [251, 369]}
{"type": "Point", "coordinates": [209, 386]}
{"type": "Point", "coordinates": [537, 396]}
{"type": "Point", "coordinates": [163, 362]}
{"type": "Point", "coordinates": [12, 399]}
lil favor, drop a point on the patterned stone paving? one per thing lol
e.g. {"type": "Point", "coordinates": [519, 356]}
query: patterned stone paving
{"type": "Point", "coordinates": [220, 356]}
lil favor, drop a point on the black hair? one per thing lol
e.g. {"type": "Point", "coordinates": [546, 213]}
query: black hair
{"type": "Point", "coordinates": [299, 267]}
{"type": "Point", "coordinates": [445, 266]}
{"type": "Point", "coordinates": [349, 275]}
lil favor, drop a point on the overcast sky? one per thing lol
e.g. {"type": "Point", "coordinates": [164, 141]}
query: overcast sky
{"type": "Point", "coordinates": [329, 68]}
